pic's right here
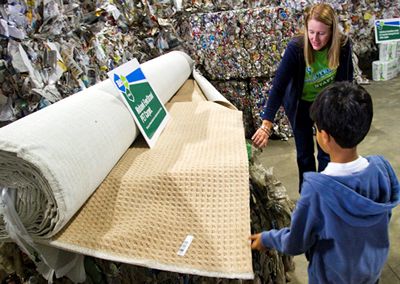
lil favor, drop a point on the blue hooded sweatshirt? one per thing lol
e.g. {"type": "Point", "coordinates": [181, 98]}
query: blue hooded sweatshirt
{"type": "Point", "coordinates": [341, 223]}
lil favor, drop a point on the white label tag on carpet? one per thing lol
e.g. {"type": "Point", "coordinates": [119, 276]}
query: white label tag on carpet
{"type": "Point", "coordinates": [185, 245]}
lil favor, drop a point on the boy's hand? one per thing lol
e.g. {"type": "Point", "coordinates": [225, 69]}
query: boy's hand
{"type": "Point", "coordinates": [256, 242]}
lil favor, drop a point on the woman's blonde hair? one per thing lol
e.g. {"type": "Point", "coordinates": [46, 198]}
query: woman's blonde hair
{"type": "Point", "coordinates": [325, 14]}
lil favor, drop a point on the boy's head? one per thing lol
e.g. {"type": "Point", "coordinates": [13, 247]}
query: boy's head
{"type": "Point", "coordinates": [344, 111]}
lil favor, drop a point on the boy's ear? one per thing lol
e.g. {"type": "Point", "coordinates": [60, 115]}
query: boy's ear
{"type": "Point", "coordinates": [326, 138]}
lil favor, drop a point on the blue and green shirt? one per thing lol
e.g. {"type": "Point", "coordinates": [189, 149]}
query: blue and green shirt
{"type": "Point", "coordinates": [317, 76]}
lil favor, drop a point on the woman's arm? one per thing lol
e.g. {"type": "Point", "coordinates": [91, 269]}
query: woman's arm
{"type": "Point", "coordinates": [284, 74]}
{"type": "Point", "coordinates": [286, 71]}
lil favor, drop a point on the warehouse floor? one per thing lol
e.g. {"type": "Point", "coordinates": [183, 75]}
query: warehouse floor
{"type": "Point", "coordinates": [382, 139]}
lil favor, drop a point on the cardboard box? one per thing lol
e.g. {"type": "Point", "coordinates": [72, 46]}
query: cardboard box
{"type": "Point", "coordinates": [384, 70]}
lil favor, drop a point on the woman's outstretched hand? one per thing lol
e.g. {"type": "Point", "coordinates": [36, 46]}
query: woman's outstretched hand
{"type": "Point", "coordinates": [261, 136]}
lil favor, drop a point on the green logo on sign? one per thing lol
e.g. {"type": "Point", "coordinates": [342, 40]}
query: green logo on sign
{"type": "Point", "coordinates": [143, 103]}
{"type": "Point", "coordinates": [147, 108]}
{"type": "Point", "coordinates": [387, 30]}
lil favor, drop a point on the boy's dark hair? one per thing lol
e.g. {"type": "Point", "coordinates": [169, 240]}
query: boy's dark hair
{"type": "Point", "coordinates": [344, 111]}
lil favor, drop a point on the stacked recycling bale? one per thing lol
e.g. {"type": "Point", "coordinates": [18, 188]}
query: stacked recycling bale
{"type": "Point", "coordinates": [53, 49]}
{"type": "Point", "coordinates": [240, 50]}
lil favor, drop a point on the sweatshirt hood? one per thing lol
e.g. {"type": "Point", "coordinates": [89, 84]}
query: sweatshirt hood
{"type": "Point", "coordinates": [361, 198]}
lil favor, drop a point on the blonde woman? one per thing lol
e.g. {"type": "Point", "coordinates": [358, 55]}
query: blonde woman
{"type": "Point", "coordinates": [312, 61]}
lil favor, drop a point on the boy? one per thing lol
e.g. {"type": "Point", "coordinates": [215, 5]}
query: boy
{"type": "Point", "coordinates": [341, 219]}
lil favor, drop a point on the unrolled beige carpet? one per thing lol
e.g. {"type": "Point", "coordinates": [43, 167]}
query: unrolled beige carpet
{"type": "Point", "coordinates": [193, 182]}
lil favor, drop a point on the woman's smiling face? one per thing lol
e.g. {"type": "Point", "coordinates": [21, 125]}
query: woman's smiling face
{"type": "Point", "coordinates": [319, 34]}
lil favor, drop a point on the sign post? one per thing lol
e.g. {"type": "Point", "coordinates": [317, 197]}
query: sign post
{"type": "Point", "coordinates": [387, 30]}
{"type": "Point", "coordinates": [145, 106]}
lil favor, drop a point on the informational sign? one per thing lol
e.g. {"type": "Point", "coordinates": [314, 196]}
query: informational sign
{"type": "Point", "coordinates": [145, 106]}
{"type": "Point", "coordinates": [387, 30]}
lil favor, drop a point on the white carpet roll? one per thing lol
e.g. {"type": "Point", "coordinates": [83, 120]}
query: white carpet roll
{"type": "Point", "coordinates": [55, 158]}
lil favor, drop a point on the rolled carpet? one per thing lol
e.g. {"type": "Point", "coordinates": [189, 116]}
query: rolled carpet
{"type": "Point", "coordinates": [83, 187]}
{"type": "Point", "coordinates": [193, 184]}
{"type": "Point", "coordinates": [55, 158]}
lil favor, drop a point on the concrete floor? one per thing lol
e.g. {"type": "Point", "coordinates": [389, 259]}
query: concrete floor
{"type": "Point", "coordinates": [382, 139]}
